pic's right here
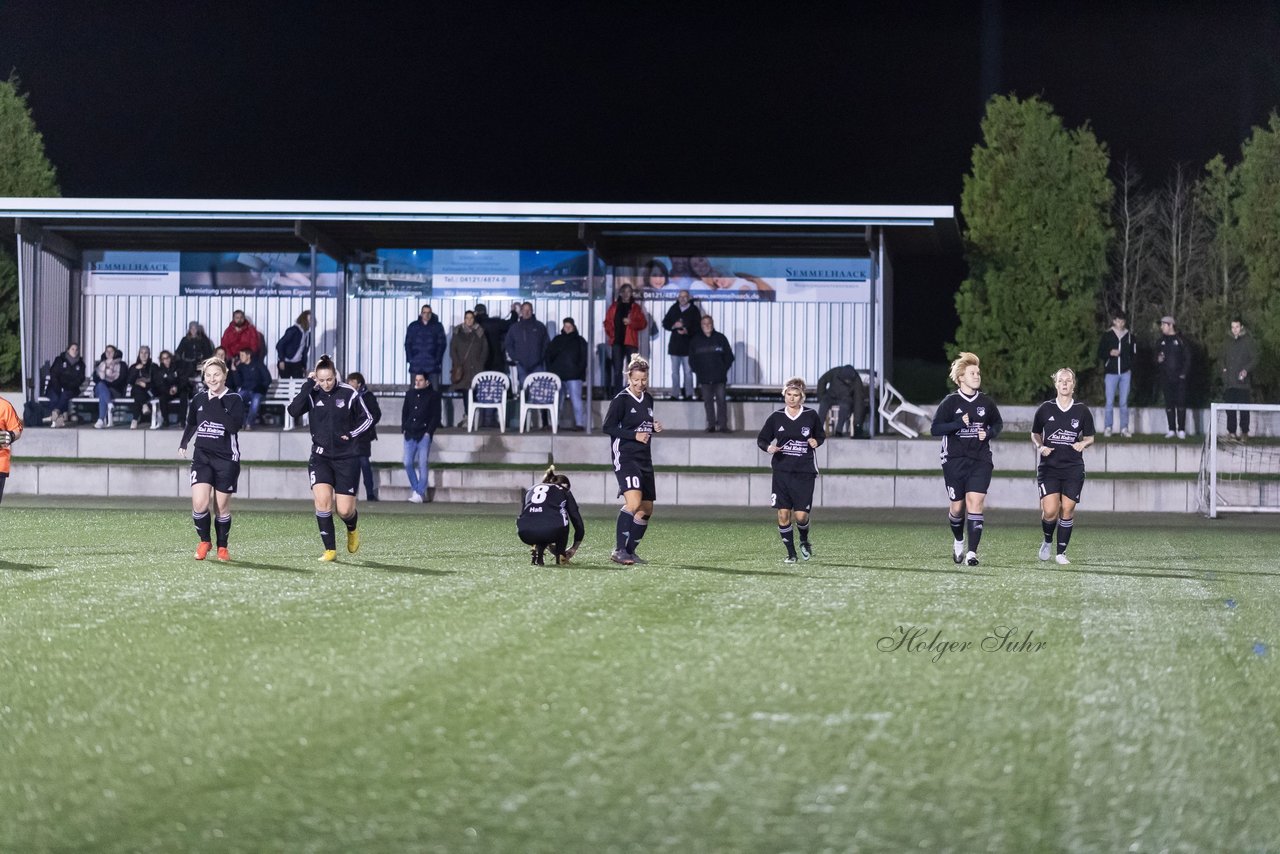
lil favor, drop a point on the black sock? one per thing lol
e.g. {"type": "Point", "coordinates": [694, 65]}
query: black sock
{"type": "Point", "coordinates": [325, 522]}
{"type": "Point", "coordinates": [202, 525]}
{"type": "Point", "coordinates": [975, 531]}
{"type": "Point", "coordinates": [350, 521]}
{"type": "Point", "coordinates": [803, 529]}
{"type": "Point", "coordinates": [788, 539]}
{"type": "Point", "coordinates": [638, 526]}
{"type": "Point", "coordinates": [223, 524]}
{"type": "Point", "coordinates": [1064, 534]}
{"type": "Point", "coordinates": [1047, 526]}
{"type": "Point", "coordinates": [624, 530]}
{"type": "Point", "coordinates": [957, 526]}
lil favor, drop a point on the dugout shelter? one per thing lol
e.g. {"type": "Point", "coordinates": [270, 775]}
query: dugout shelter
{"type": "Point", "coordinates": [796, 288]}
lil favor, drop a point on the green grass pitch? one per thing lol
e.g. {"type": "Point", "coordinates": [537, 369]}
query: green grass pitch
{"type": "Point", "coordinates": [434, 692]}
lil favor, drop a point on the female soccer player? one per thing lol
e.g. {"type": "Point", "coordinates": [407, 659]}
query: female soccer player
{"type": "Point", "coordinates": [1061, 430]}
{"type": "Point", "coordinates": [549, 508]}
{"type": "Point", "coordinates": [791, 435]}
{"type": "Point", "coordinates": [214, 418]}
{"type": "Point", "coordinates": [631, 423]}
{"type": "Point", "coordinates": [338, 418]}
{"type": "Point", "coordinates": [967, 420]}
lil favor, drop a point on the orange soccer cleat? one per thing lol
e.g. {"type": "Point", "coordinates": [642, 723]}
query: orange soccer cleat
{"type": "Point", "coordinates": [223, 555]}
{"type": "Point", "coordinates": [202, 550]}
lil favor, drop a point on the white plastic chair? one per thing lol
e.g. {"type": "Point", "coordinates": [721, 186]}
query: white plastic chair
{"type": "Point", "coordinates": [541, 390]}
{"type": "Point", "coordinates": [893, 408]}
{"type": "Point", "coordinates": [488, 391]}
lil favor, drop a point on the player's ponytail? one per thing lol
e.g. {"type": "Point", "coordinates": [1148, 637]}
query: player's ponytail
{"type": "Point", "coordinates": [557, 479]}
{"type": "Point", "coordinates": [326, 364]}
{"type": "Point", "coordinates": [213, 362]}
{"type": "Point", "coordinates": [637, 363]}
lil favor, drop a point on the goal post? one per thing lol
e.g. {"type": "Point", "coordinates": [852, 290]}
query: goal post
{"type": "Point", "coordinates": [1240, 474]}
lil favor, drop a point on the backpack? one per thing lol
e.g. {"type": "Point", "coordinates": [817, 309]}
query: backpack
{"type": "Point", "coordinates": [33, 414]}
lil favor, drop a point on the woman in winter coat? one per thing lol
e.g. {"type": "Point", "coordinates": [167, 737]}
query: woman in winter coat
{"type": "Point", "coordinates": [567, 359]}
{"type": "Point", "coordinates": [142, 385]}
{"type": "Point", "coordinates": [111, 378]}
{"type": "Point", "coordinates": [66, 376]}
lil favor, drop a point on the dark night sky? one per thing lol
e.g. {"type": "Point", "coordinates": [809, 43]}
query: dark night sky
{"type": "Point", "coordinates": [855, 104]}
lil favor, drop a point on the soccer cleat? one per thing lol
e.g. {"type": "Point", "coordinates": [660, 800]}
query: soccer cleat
{"type": "Point", "coordinates": [202, 550]}
{"type": "Point", "coordinates": [957, 551]}
{"type": "Point", "coordinates": [1045, 551]}
{"type": "Point", "coordinates": [353, 541]}
{"type": "Point", "coordinates": [971, 558]}
{"type": "Point", "coordinates": [223, 555]}
{"type": "Point", "coordinates": [1062, 560]}
{"type": "Point", "coordinates": [329, 556]}
{"type": "Point", "coordinates": [806, 551]}
{"type": "Point", "coordinates": [621, 557]}
{"type": "Point", "coordinates": [789, 559]}
{"type": "Point", "coordinates": [635, 558]}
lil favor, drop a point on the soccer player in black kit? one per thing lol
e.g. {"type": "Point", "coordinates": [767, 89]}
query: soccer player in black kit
{"type": "Point", "coordinates": [790, 435]}
{"type": "Point", "coordinates": [631, 423]}
{"type": "Point", "coordinates": [338, 416]}
{"type": "Point", "coordinates": [967, 420]}
{"type": "Point", "coordinates": [1061, 430]}
{"type": "Point", "coordinates": [548, 510]}
{"type": "Point", "coordinates": [214, 419]}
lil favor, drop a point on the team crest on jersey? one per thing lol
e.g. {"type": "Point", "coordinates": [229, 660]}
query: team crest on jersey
{"type": "Point", "coordinates": [1075, 422]}
{"type": "Point", "coordinates": [982, 411]}
{"type": "Point", "coordinates": [339, 403]}
{"type": "Point", "coordinates": [804, 431]}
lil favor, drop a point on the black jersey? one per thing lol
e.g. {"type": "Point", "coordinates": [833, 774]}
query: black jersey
{"type": "Point", "coordinates": [627, 417]}
{"type": "Point", "coordinates": [549, 506]}
{"type": "Point", "coordinates": [960, 440]}
{"type": "Point", "coordinates": [337, 418]}
{"type": "Point", "coordinates": [215, 421]}
{"type": "Point", "coordinates": [792, 436]}
{"type": "Point", "coordinates": [1061, 429]}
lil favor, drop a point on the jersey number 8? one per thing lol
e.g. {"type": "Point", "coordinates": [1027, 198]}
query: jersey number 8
{"type": "Point", "coordinates": [539, 493]}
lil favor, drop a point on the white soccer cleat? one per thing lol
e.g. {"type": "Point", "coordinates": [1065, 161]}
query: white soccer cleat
{"type": "Point", "coordinates": [1046, 551]}
{"type": "Point", "coordinates": [957, 551]}
{"type": "Point", "coordinates": [1062, 560]}
{"type": "Point", "coordinates": [971, 558]}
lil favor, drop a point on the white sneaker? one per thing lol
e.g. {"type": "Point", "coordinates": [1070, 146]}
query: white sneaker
{"type": "Point", "coordinates": [1046, 551]}
{"type": "Point", "coordinates": [415, 498]}
{"type": "Point", "coordinates": [1127, 433]}
{"type": "Point", "coordinates": [99, 424]}
{"type": "Point", "coordinates": [1107, 432]}
{"type": "Point", "coordinates": [1182, 434]}
{"type": "Point", "coordinates": [1062, 560]}
{"type": "Point", "coordinates": [133, 425]}
{"type": "Point", "coordinates": [1168, 434]}
{"type": "Point", "coordinates": [957, 551]}
{"type": "Point", "coordinates": [156, 426]}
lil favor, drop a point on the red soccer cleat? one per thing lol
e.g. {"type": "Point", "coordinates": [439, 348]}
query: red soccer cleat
{"type": "Point", "coordinates": [222, 554]}
{"type": "Point", "coordinates": [202, 550]}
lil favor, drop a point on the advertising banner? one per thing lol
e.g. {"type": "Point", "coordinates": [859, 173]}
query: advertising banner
{"type": "Point", "coordinates": [286, 274]}
{"type": "Point", "coordinates": [767, 279]}
{"type": "Point", "coordinates": [131, 273]}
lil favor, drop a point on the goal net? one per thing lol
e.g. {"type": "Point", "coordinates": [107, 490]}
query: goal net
{"type": "Point", "coordinates": [1241, 474]}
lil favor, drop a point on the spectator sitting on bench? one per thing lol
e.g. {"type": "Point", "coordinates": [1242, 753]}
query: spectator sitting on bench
{"type": "Point", "coordinates": [171, 388]}
{"type": "Point", "coordinates": [66, 376]}
{"type": "Point", "coordinates": [842, 386]}
{"type": "Point", "coordinates": [142, 384]}
{"type": "Point", "coordinates": [110, 378]}
{"type": "Point", "coordinates": [250, 379]}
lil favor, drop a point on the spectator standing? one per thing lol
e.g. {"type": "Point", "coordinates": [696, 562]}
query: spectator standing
{"type": "Point", "coordinates": [468, 353]}
{"type": "Point", "coordinates": [292, 348]}
{"type": "Point", "coordinates": [192, 351]}
{"type": "Point", "coordinates": [1174, 359]}
{"type": "Point", "coordinates": [419, 420]}
{"type": "Point", "coordinates": [66, 376]}
{"type": "Point", "coordinates": [251, 380]}
{"type": "Point", "coordinates": [622, 324]}
{"type": "Point", "coordinates": [111, 378]}
{"type": "Point", "coordinates": [567, 359]}
{"type": "Point", "coordinates": [241, 334]}
{"type": "Point", "coordinates": [711, 356]}
{"type": "Point", "coordinates": [364, 442]}
{"type": "Point", "coordinates": [495, 334]}
{"type": "Point", "coordinates": [843, 387]}
{"type": "Point", "coordinates": [1239, 356]}
{"type": "Point", "coordinates": [682, 321]}
{"type": "Point", "coordinates": [424, 345]}
{"type": "Point", "coordinates": [1116, 351]}
{"type": "Point", "coordinates": [171, 389]}
{"type": "Point", "coordinates": [527, 347]}
{"type": "Point", "coordinates": [142, 384]}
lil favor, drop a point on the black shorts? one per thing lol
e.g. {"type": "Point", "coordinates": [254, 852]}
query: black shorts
{"type": "Point", "coordinates": [1067, 484]}
{"type": "Point", "coordinates": [963, 475]}
{"type": "Point", "coordinates": [343, 473]}
{"type": "Point", "coordinates": [219, 472]}
{"type": "Point", "coordinates": [542, 535]}
{"type": "Point", "coordinates": [793, 490]}
{"type": "Point", "coordinates": [634, 477]}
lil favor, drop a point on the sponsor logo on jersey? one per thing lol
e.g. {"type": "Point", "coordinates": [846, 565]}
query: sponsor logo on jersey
{"type": "Point", "coordinates": [1062, 437]}
{"type": "Point", "coordinates": [780, 429]}
{"type": "Point", "coordinates": [633, 411]}
{"type": "Point", "coordinates": [319, 403]}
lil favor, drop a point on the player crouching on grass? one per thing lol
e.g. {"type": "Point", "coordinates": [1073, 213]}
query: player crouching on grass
{"type": "Point", "coordinates": [790, 436]}
{"type": "Point", "coordinates": [338, 417]}
{"type": "Point", "coordinates": [214, 419]}
{"type": "Point", "coordinates": [1061, 430]}
{"type": "Point", "coordinates": [548, 510]}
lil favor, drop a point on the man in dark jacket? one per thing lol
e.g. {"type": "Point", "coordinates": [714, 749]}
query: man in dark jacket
{"type": "Point", "coordinates": [843, 387]}
{"type": "Point", "coordinates": [1116, 353]}
{"type": "Point", "coordinates": [567, 359]}
{"type": "Point", "coordinates": [424, 345]}
{"type": "Point", "coordinates": [419, 420]}
{"type": "Point", "coordinates": [66, 377]}
{"type": "Point", "coordinates": [251, 380]}
{"type": "Point", "coordinates": [527, 347]}
{"type": "Point", "coordinates": [1174, 358]}
{"type": "Point", "coordinates": [364, 442]}
{"type": "Point", "coordinates": [682, 321]}
{"type": "Point", "coordinates": [1239, 356]}
{"type": "Point", "coordinates": [710, 356]}
{"type": "Point", "coordinates": [292, 348]}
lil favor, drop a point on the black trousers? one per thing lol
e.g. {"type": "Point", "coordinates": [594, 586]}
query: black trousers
{"type": "Point", "coordinates": [1237, 395]}
{"type": "Point", "coordinates": [1175, 404]}
{"type": "Point", "coordinates": [716, 405]}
